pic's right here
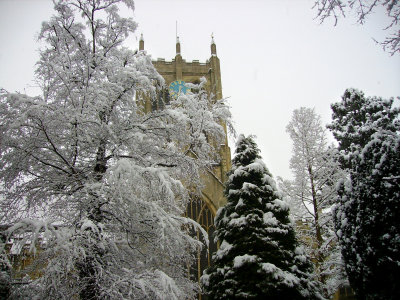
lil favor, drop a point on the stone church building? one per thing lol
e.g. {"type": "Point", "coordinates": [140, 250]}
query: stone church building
{"type": "Point", "coordinates": [176, 73]}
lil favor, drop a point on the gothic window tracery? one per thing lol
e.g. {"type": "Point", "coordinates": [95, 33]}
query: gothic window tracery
{"type": "Point", "coordinates": [199, 211]}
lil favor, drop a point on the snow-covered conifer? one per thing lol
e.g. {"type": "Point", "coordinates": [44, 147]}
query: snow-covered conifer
{"type": "Point", "coordinates": [357, 117]}
{"type": "Point", "coordinates": [92, 175]}
{"type": "Point", "coordinates": [367, 215]}
{"type": "Point", "coordinates": [259, 257]}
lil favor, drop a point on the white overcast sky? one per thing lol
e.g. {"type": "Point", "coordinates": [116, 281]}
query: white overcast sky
{"type": "Point", "coordinates": [275, 57]}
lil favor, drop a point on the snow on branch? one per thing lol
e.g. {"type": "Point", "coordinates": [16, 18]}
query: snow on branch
{"type": "Point", "coordinates": [362, 9]}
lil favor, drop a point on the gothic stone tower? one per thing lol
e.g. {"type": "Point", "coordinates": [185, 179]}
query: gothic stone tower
{"type": "Point", "coordinates": [175, 74]}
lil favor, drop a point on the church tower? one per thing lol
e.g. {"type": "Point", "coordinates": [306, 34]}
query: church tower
{"type": "Point", "coordinates": [176, 73]}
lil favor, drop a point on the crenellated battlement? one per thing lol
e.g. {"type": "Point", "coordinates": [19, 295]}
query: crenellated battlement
{"type": "Point", "coordinates": [180, 69]}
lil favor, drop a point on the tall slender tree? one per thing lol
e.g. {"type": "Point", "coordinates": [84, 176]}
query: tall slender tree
{"type": "Point", "coordinates": [312, 193]}
{"type": "Point", "coordinates": [366, 218]}
{"type": "Point", "coordinates": [89, 172]}
{"type": "Point", "coordinates": [258, 256]}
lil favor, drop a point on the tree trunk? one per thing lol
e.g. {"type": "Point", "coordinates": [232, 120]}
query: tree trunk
{"type": "Point", "coordinates": [87, 273]}
{"type": "Point", "coordinates": [87, 267]}
{"type": "Point", "coordinates": [318, 257]}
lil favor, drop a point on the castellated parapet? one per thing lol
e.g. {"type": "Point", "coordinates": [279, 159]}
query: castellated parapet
{"type": "Point", "coordinates": [191, 72]}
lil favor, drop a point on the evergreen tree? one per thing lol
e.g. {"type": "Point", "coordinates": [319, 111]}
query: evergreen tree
{"type": "Point", "coordinates": [356, 118]}
{"type": "Point", "coordinates": [368, 212]}
{"type": "Point", "coordinates": [259, 257]}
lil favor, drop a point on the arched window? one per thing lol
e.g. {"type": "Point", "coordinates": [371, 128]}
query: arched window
{"type": "Point", "coordinates": [199, 211]}
{"type": "Point", "coordinates": [162, 99]}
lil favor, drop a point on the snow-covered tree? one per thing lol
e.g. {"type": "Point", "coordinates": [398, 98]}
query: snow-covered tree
{"type": "Point", "coordinates": [357, 117]}
{"type": "Point", "coordinates": [92, 177]}
{"type": "Point", "coordinates": [312, 193]}
{"type": "Point", "coordinates": [259, 257]}
{"type": "Point", "coordinates": [366, 218]}
{"type": "Point", "coordinates": [362, 9]}
{"type": "Point", "coordinates": [5, 268]}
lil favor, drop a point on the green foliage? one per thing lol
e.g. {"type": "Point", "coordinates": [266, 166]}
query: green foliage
{"type": "Point", "coordinates": [356, 118]}
{"type": "Point", "coordinates": [258, 256]}
{"type": "Point", "coordinates": [366, 218]}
